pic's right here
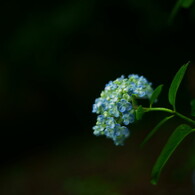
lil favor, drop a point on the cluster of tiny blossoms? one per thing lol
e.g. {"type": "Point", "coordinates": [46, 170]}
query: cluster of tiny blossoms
{"type": "Point", "coordinates": [115, 108]}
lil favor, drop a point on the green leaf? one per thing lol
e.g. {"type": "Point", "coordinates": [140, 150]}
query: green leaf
{"type": "Point", "coordinates": [174, 140]}
{"type": "Point", "coordinates": [187, 3]}
{"type": "Point", "coordinates": [192, 107]}
{"type": "Point", "coordinates": [155, 129]}
{"type": "Point", "coordinates": [155, 94]}
{"type": "Point", "coordinates": [139, 112]}
{"type": "Point", "coordinates": [175, 84]}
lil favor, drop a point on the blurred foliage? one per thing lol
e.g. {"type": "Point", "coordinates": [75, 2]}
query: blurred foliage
{"type": "Point", "coordinates": [41, 33]}
{"type": "Point", "coordinates": [88, 186]}
{"type": "Point", "coordinates": [59, 52]}
{"type": "Point", "coordinates": [55, 58]}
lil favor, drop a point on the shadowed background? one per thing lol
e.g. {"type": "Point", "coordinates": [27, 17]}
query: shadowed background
{"type": "Point", "coordinates": [55, 59]}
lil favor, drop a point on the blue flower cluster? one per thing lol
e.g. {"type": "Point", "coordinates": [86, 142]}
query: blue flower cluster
{"type": "Point", "coordinates": [115, 109]}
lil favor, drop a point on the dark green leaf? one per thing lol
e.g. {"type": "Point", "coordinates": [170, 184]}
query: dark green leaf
{"type": "Point", "coordinates": [155, 94]}
{"type": "Point", "coordinates": [192, 107]}
{"type": "Point", "coordinates": [156, 128]}
{"type": "Point", "coordinates": [175, 84]}
{"type": "Point", "coordinates": [174, 140]}
{"type": "Point", "coordinates": [187, 3]}
{"type": "Point", "coordinates": [139, 112]}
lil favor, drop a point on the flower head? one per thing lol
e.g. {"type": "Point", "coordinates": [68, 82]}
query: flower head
{"type": "Point", "coordinates": [115, 108]}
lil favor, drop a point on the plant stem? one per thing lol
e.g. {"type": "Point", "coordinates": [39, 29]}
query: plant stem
{"type": "Point", "coordinates": [172, 112]}
{"type": "Point", "coordinates": [185, 117]}
{"type": "Point", "coordinates": [159, 109]}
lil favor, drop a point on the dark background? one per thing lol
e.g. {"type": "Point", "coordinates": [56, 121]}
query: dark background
{"type": "Point", "coordinates": [55, 58]}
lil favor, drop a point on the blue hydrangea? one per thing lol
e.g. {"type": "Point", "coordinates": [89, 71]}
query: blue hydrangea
{"type": "Point", "coordinates": [115, 108]}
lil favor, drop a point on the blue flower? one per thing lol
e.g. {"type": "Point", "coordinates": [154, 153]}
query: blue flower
{"type": "Point", "coordinates": [120, 134]}
{"type": "Point", "coordinates": [100, 105]}
{"type": "Point", "coordinates": [110, 86]}
{"type": "Point", "coordinates": [113, 110]}
{"type": "Point", "coordinates": [124, 105]}
{"type": "Point", "coordinates": [141, 87]}
{"type": "Point", "coordinates": [128, 118]}
{"type": "Point", "coordinates": [114, 106]}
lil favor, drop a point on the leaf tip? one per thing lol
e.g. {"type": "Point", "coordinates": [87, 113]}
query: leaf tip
{"type": "Point", "coordinates": [187, 64]}
{"type": "Point", "coordinates": [154, 178]}
{"type": "Point", "coordinates": [153, 182]}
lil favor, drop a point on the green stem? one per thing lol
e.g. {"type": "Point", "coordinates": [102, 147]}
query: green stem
{"type": "Point", "coordinates": [170, 111]}
{"type": "Point", "coordinates": [159, 109]}
{"type": "Point", "coordinates": [185, 117]}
